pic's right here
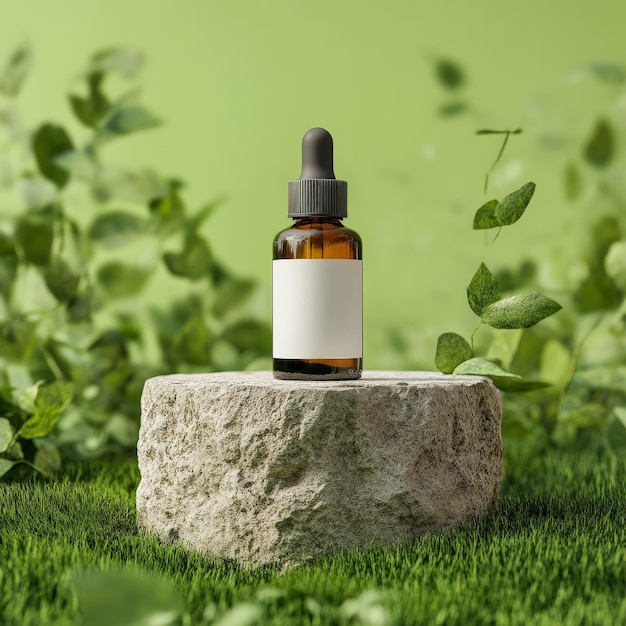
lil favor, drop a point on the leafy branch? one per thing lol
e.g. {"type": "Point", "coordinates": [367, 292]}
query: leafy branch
{"type": "Point", "coordinates": [455, 355]}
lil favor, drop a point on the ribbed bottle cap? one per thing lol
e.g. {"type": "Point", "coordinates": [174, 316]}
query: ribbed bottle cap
{"type": "Point", "coordinates": [317, 191]}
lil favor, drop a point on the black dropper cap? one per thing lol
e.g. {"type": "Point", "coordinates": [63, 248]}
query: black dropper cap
{"type": "Point", "coordinates": [317, 191]}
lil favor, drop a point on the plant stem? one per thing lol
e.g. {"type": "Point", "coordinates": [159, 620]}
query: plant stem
{"type": "Point", "coordinates": [506, 139]}
{"type": "Point", "coordinates": [497, 235]}
{"type": "Point", "coordinates": [472, 337]}
{"type": "Point", "coordinates": [52, 364]}
{"type": "Point", "coordinates": [506, 134]}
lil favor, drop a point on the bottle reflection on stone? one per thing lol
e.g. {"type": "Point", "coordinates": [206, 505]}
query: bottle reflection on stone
{"type": "Point", "coordinates": [317, 275]}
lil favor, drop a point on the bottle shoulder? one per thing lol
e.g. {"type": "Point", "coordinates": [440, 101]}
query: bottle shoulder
{"type": "Point", "coordinates": [317, 239]}
{"type": "Point", "coordinates": [295, 232]}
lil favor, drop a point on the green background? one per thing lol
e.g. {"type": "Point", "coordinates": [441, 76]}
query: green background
{"type": "Point", "coordinates": [239, 82]}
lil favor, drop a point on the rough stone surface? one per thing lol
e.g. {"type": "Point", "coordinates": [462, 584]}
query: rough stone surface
{"type": "Point", "coordinates": [242, 466]}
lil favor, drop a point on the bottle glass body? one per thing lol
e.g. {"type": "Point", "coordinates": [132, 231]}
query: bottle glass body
{"type": "Point", "coordinates": [318, 237]}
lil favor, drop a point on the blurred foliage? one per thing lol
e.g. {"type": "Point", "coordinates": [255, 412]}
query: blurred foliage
{"type": "Point", "coordinates": [126, 597]}
{"type": "Point", "coordinates": [81, 243]}
{"type": "Point", "coordinates": [581, 353]}
{"type": "Point", "coordinates": [134, 597]}
{"type": "Point", "coordinates": [452, 79]}
{"type": "Point", "coordinates": [584, 355]}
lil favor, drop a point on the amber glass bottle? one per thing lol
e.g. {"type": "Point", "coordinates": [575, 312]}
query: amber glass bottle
{"type": "Point", "coordinates": [317, 276]}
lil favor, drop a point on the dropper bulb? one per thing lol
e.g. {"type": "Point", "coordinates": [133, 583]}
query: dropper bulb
{"type": "Point", "coordinates": [317, 191]}
{"type": "Point", "coordinates": [317, 154]}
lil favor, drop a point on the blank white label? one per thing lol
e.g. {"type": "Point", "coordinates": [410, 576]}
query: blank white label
{"type": "Point", "coordinates": [317, 309]}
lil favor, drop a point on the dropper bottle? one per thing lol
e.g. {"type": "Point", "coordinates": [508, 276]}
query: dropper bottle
{"type": "Point", "coordinates": [317, 275]}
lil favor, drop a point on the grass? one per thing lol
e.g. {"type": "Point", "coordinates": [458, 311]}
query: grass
{"type": "Point", "coordinates": [552, 552]}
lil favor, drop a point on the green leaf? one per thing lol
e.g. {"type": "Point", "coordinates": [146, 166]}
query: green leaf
{"type": "Point", "coordinates": [598, 291]}
{"type": "Point", "coordinates": [7, 245]}
{"type": "Point", "coordinates": [244, 614]}
{"type": "Point", "coordinates": [512, 207]}
{"type": "Point", "coordinates": [219, 274]}
{"type": "Point", "coordinates": [230, 294]}
{"type": "Point", "coordinates": [514, 279]}
{"type": "Point", "coordinates": [128, 597]}
{"type": "Point", "coordinates": [8, 265]}
{"type": "Point", "coordinates": [79, 164]}
{"type": "Point", "coordinates": [573, 182]}
{"type": "Point", "coordinates": [619, 414]}
{"type": "Point", "coordinates": [15, 71]}
{"type": "Point", "coordinates": [249, 335]}
{"type": "Point", "coordinates": [169, 322]}
{"type": "Point", "coordinates": [110, 346]}
{"type": "Point", "coordinates": [600, 146]}
{"type": "Point", "coordinates": [609, 72]}
{"type": "Point", "coordinates": [37, 192]}
{"type": "Point", "coordinates": [121, 184]}
{"type": "Point", "coordinates": [481, 367]}
{"type": "Point", "coordinates": [34, 233]}
{"type": "Point", "coordinates": [16, 338]}
{"type": "Point", "coordinates": [488, 131]}
{"type": "Point", "coordinates": [129, 326]}
{"type": "Point", "coordinates": [486, 216]}
{"type": "Point", "coordinates": [15, 451]}
{"type": "Point", "coordinates": [191, 344]}
{"type": "Point", "coordinates": [48, 461]}
{"type": "Point", "coordinates": [6, 434]}
{"type": "Point", "coordinates": [506, 381]}
{"type": "Point", "coordinates": [5, 466]}
{"type": "Point", "coordinates": [168, 210]}
{"type": "Point", "coordinates": [92, 109]}
{"type": "Point", "coordinates": [124, 61]}
{"type": "Point", "coordinates": [120, 280]}
{"type": "Point", "coordinates": [61, 281]}
{"type": "Point", "coordinates": [27, 396]}
{"type": "Point", "coordinates": [84, 110]}
{"type": "Point", "coordinates": [130, 119]}
{"type": "Point", "coordinates": [483, 290]}
{"type": "Point", "coordinates": [615, 263]}
{"type": "Point", "coordinates": [506, 212]}
{"type": "Point", "coordinates": [520, 310]}
{"type": "Point", "coordinates": [194, 262]}
{"type": "Point", "coordinates": [449, 73]}
{"type": "Point", "coordinates": [50, 402]}
{"type": "Point", "coordinates": [555, 362]}
{"type": "Point", "coordinates": [39, 424]}
{"type": "Point", "coordinates": [56, 395]}
{"type": "Point", "coordinates": [117, 228]}
{"type": "Point", "coordinates": [452, 350]}
{"type": "Point", "coordinates": [80, 307]}
{"type": "Point", "coordinates": [49, 142]}
{"type": "Point", "coordinates": [197, 219]}
{"type": "Point", "coordinates": [455, 107]}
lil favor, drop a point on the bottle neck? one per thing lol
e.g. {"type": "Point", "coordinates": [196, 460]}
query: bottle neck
{"type": "Point", "coordinates": [322, 221]}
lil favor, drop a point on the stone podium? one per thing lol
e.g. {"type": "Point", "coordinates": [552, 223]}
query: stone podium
{"type": "Point", "coordinates": [245, 467]}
